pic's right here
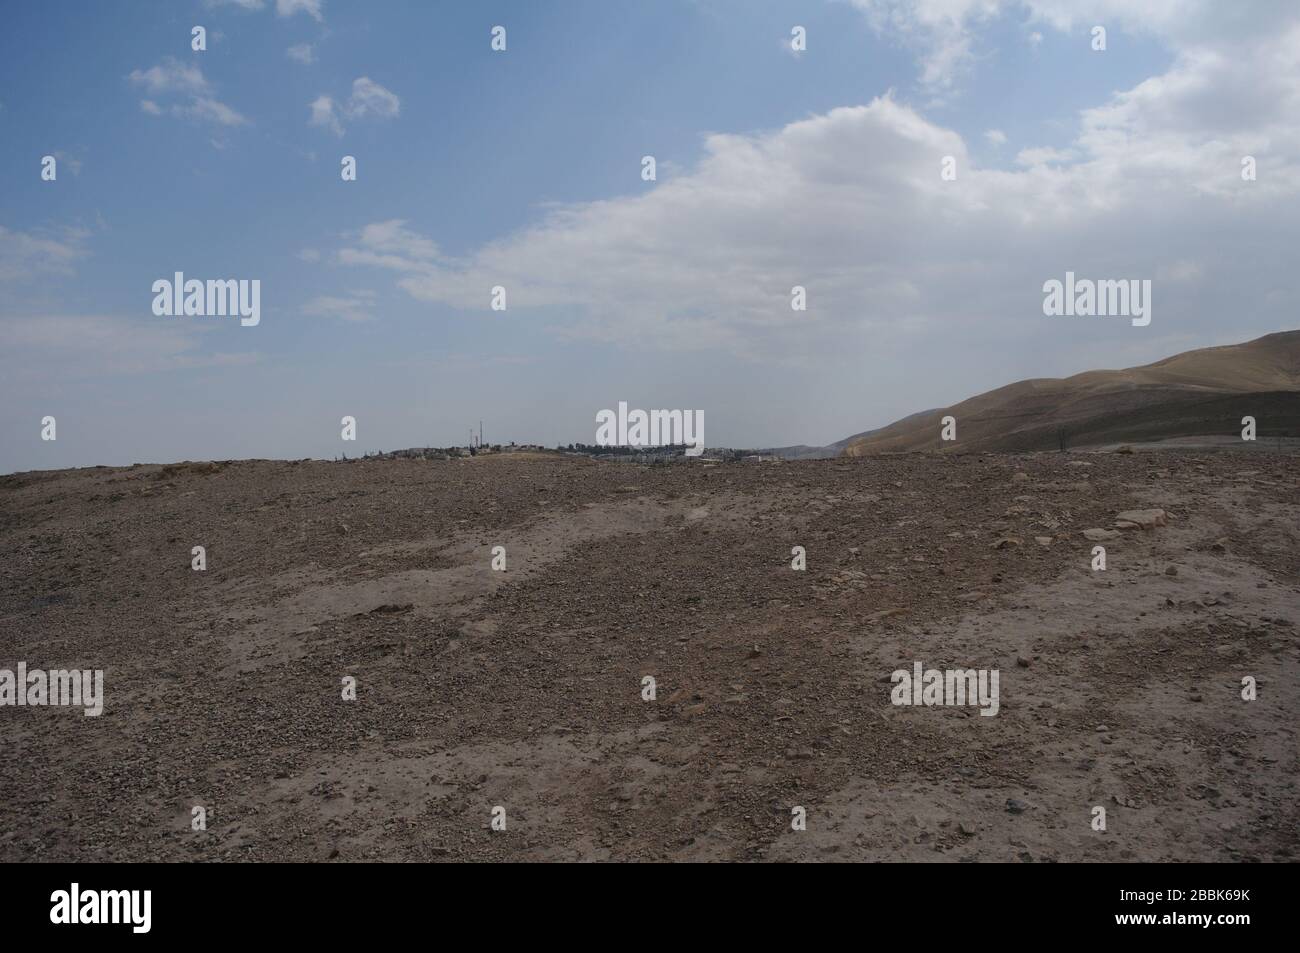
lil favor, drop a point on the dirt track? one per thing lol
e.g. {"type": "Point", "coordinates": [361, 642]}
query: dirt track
{"type": "Point", "coordinates": [523, 688]}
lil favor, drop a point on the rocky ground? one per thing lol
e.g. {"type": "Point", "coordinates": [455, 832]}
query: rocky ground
{"type": "Point", "coordinates": [523, 689]}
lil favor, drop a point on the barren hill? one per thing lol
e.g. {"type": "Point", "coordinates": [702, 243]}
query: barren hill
{"type": "Point", "coordinates": [1204, 392]}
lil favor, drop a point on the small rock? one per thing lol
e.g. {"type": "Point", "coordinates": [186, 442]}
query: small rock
{"type": "Point", "coordinates": [1141, 519]}
{"type": "Point", "coordinates": [884, 614]}
{"type": "Point", "coordinates": [1097, 535]}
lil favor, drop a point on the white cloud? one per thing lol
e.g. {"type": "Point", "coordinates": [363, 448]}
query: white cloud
{"type": "Point", "coordinates": [283, 8]}
{"type": "Point", "coordinates": [310, 255]}
{"type": "Point", "coordinates": [27, 255]}
{"type": "Point", "coordinates": [302, 53]}
{"type": "Point", "coordinates": [324, 114]}
{"type": "Point", "coordinates": [850, 204]}
{"type": "Point", "coordinates": [355, 306]}
{"type": "Point", "coordinates": [941, 29]}
{"type": "Point", "coordinates": [996, 137]}
{"type": "Point", "coordinates": [172, 78]}
{"type": "Point", "coordinates": [368, 100]}
{"type": "Point", "coordinates": [1045, 155]}
{"type": "Point", "coordinates": [211, 110]}
{"type": "Point", "coordinates": [287, 8]}
{"type": "Point", "coordinates": [945, 33]}
{"type": "Point", "coordinates": [394, 238]}
{"type": "Point", "coordinates": [105, 345]}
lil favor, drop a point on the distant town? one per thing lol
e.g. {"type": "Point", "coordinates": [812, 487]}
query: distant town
{"type": "Point", "coordinates": [621, 454]}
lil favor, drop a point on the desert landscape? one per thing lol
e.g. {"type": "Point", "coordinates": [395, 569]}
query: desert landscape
{"type": "Point", "coordinates": [523, 689]}
{"type": "Point", "coordinates": [669, 432]}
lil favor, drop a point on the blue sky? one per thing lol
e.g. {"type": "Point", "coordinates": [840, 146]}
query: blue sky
{"type": "Point", "coordinates": [522, 168]}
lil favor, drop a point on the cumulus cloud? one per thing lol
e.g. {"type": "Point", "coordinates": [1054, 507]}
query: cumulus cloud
{"type": "Point", "coordinates": [283, 8]}
{"type": "Point", "coordinates": [170, 76]}
{"type": "Point", "coordinates": [942, 30]}
{"type": "Point", "coordinates": [302, 53]}
{"type": "Point", "coordinates": [185, 83]}
{"type": "Point", "coordinates": [850, 205]}
{"type": "Point", "coordinates": [369, 100]}
{"type": "Point", "coordinates": [1044, 155]}
{"type": "Point", "coordinates": [287, 8]}
{"type": "Point", "coordinates": [211, 110]}
{"type": "Point", "coordinates": [324, 114]}
{"type": "Point", "coordinates": [946, 33]}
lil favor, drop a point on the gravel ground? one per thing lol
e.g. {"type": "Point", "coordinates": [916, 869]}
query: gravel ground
{"type": "Point", "coordinates": [523, 689]}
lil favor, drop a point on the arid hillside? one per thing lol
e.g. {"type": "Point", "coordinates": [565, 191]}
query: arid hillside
{"type": "Point", "coordinates": [1202, 393]}
{"type": "Point", "coordinates": [524, 689]}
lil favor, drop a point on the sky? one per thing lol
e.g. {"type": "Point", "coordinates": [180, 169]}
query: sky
{"type": "Point", "coordinates": [522, 168]}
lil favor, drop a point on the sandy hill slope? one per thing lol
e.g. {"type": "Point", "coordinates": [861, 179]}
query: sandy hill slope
{"type": "Point", "coordinates": [1199, 393]}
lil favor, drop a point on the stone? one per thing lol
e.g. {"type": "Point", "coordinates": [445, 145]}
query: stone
{"type": "Point", "coordinates": [1098, 535]}
{"type": "Point", "coordinates": [1141, 519]}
